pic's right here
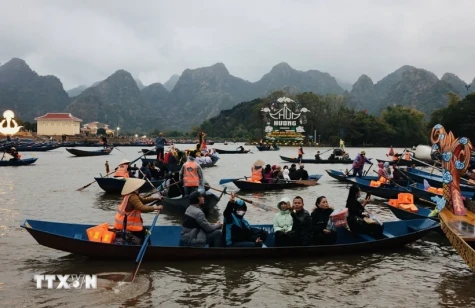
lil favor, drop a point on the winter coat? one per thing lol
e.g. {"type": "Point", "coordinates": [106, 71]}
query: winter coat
{"type": "Point", "coordinates": [283, 220]}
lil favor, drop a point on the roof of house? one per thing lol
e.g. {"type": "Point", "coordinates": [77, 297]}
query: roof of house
{"type": "Point", "coordinates": [58, 116]}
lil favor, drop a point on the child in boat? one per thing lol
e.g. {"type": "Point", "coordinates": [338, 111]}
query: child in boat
{"type": "Point", "coordinates": [283, 221]}
{"type": "Point", "coordinates": [322, 233]}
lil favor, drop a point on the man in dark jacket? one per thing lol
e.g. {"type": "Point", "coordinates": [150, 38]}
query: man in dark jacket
{"type": "Point", "coordinates": [302, 174]}
{"type": "Point", "coordinates": [302, 224]}
{"type": "Point", "coordinates": [293, 172]}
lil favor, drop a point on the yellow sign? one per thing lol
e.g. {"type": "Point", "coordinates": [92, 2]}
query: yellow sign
{"type": "Point", "coordinates": [12, 127]}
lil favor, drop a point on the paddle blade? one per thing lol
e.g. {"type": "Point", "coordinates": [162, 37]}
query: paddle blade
{"type": "Point", "coordinates": [84, 187]}
{"type": "Point", "coordinates": [224, 181]}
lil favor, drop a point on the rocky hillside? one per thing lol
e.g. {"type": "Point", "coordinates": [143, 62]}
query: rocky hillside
{"type": "Point", "coordinates": [363, 95]}
{"type": "Point", "coordinates": [154, 95]}
{"type": "Point", "coordinates": [27, 94]}
{"type": "Point", "coordinates": [458, 85]}
{"type": "Point", "coordinates": [77, 90]}
{"type": "Point", "coordinates": [170, 83]}
{"type": "Point", "coordinates": [116, 101]}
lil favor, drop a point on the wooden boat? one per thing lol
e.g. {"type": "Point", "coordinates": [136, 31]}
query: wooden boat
{"type": "Point", "coordinates": [457, 218]}
{"type": "Point", "coordinates": [388, 191]}
{"type": "Point", "coordinates": [149, 152]}
{"type": "Point", "coordinates": [180, 204]}
{"type": "Point", "coordinates": [433, 179]}
{"type": "Point", "coordinates": [253, 186]}
{"type": "Point", "coordinates": [115, 185]}
{"type": "Point", "coordinates": [403, 162]}
{"type": "Point", "coordinates": [232, 152]}
{"type": "Point", "coordinates": [164, 242]}
{"type": "Point", "coordinates": [267, 148]}
{"type": "Point", "coordinates": [422, 213]}
{"type": "Point", "coordinates": [82, 153]}
{"type": "Point", "coordinates": [175, 167]}
{"type": "Point", "coordinates": [20, 162]}
{"type": "Point", "coordinates": [340, 176]}
{"type": "Point", "coordinates": [314, 161]}
{"type": "Point", "coordinates": [418, 191]}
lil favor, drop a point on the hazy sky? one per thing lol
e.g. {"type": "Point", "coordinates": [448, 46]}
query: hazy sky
{"type": "Point", "coordinates": [85, 41]}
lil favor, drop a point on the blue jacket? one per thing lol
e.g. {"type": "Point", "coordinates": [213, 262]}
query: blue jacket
{"type": "Point", "coordinates": [160, 142]}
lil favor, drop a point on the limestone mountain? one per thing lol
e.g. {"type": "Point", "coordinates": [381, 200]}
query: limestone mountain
{"type": "Point", "coordinates": [116, 100]}
{"type": "Point", "coordinates": [27, 94]}
{"type": "Point", "coordinates": [382, 87]}
{"type": "Point", "coordinates": [457, 84]}
{"type": "Point", "coordinates": [363, 95]}
{"type": "Point", "coordinates": [345, 85]}
{"type": "Point", "coordinates": [77, 90]}
{"type": "Point", "coordinates": [154, 95]}
{"type": "Point", "coordinates": [202, 93]}
{"type": "Point", "coordinates": [418, 89]}
{"type": "Point", "coordinates": [170, 83]}
{"type": "Point", "coordinates": [472, 86]}
{"type": "Point", "coordinates": [139, 84]}
{"type": "Point", "coordinates": [283, 75]}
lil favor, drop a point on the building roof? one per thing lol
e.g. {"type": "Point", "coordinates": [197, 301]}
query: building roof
{"type": "Point", "coordinates": [59, 116]}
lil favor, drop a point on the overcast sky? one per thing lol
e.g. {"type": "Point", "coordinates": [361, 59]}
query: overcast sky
{"type": "Point", "coordinates": [85, 41]}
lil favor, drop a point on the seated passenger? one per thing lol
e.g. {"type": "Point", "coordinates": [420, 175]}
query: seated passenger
{"type": "Point", "coordinates": [302, 223]}
{"type": "Point", "coordinates": [358, 220]}
{"type": "Point", "coordinates": [322, 235]}
{"type": "Point", "coordinates": [196, 231]}
{"type": "Point", "coordinates": [283, 221]}
{"type": "Point", "coordinates": [278, 176]}
{"type": "Point", "coordinates": [237, 231]}
{"type": "Point", "coordinates": [317, 156]}
{"type": "Point", "coordinates": [268, 174]}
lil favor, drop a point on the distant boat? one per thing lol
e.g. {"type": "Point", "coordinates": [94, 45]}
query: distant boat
{"type": "Point", "coordinates": [20, 162]}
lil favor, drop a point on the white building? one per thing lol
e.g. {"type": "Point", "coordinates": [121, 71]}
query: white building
{"type": "Point", "coordinates": [58, 124]}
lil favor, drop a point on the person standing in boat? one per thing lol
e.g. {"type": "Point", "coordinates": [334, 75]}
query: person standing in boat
{"type": "Point", "coordinates": [196, 231]}
{"type": "Point", "coordinates": [104, 141]}
{"type": "Point", "coordinates": [128, 214]}
{"type": "Point", "coordinates": [160, 146]}
{"type": "Point", "coordinates": [122, 171]}
{"type": "Point", "coordinates": [317, 156]}
{"type": "Point", "coordinates": [358, 220]}
{"type": "Point", "coordinates": [358, 163]}
{"type": "Point", "coordinates": [321, 233]}
{"type": "Point", "coordinates": [237, 231]}
{"type": "Point", "coordinates": [191, 174]}
{"type": "Point", "coordinates": [302, 223]}
{"type": "Point", "coordinates": [300, 153]}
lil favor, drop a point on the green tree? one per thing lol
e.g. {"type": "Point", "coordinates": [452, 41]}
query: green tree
{"type": "Point", "coordinates": [407, 124]}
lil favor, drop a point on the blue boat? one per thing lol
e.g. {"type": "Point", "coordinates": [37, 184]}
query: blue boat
{"type": "Point", "coordinates": [340, 176]}
{"type": "Point", "coordinates": [115, 185]}
{"type": "Point", "coordinates": [164, 242]}
{"type": "Point", "coordinates": [418, 191]}
{"type": "Point", "coordinates": [422, 213]}
{"type": "Point", "coordinates": [20, 162]}
{"type": "Point", "coordinates": [283, 184]}
{"type": "Point", "coordinates": [387, 191]}
{"type": "Point", "coordinates": [433, 179]}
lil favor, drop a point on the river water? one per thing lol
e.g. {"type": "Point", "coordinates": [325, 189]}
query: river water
{"type": "Point", "coordinates": [427, 273]}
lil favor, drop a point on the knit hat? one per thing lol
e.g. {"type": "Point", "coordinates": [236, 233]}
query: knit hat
{"type": "Point", "coordinates": [195, 197]}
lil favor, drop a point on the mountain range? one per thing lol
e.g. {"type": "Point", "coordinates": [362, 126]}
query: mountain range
{"type": "Point", "coordinates": [186, 100]}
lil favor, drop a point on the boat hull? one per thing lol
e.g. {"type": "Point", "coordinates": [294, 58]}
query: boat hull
{"type": "Point", "coordinates": [433, 179]}
{"type": "Point", "coordinates": [403, 162]}
{"type": "Point", "coordinates": [114, 185]}
{"type": "Point", "coordinates": [172, 168]}
{"type": "Point", "coordinates": [232, 152]}
{"type": "Point", "coordinates": [385, 191]}
{"type": "Point", "coordinates": [253, 186]}
{"type": "Point", "coordinates": [314, 161]}
{"type": "Point", "coordinates": [81, 153]}
{"type": "Point", "coordinates": [164, 244]}
{"type": "Point", "coordinates": [14, 163]}
{"type": "Point", "coordinates": [340, 176]}
{"type": "Point", "coordinates": [264, 148]}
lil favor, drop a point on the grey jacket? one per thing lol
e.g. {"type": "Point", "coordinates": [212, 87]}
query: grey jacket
{"type": "Point", "coordinates": [195, 227]}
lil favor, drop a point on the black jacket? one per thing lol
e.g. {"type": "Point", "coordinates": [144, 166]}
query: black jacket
{"type": "Point", "coordinates": [355, 208]}
{"type": "Point", "coordinates": [320, 219]}
{"type": "Point", "coordinates": [302, 225]}
{"type": "Point", "coordinates": [302, 174]}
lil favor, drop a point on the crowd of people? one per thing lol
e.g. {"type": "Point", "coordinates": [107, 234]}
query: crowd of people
{"type": "Point", "coordinates": [276, 173]}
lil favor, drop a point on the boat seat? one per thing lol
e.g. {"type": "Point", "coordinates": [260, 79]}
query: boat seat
{"type": "Point", "coordinates": [388, 235]}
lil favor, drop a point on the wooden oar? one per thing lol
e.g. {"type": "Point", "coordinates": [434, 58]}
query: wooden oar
{"type": "Point", "coordinates": [367, 171]}
{"type": "Point", "coordinates": [262, 206]}
{"type": "Point", "coordinates": [87, 185]}
{"type": "Point", "coordinates": [145, 244]}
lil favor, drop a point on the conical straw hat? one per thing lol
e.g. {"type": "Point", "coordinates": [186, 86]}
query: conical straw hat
{"type": "Point", "coordinates": [124, 161]}
{"type": "Point", "coordinates": [131, 185]}
{"type": "Point", "coordinates": [259, 163]}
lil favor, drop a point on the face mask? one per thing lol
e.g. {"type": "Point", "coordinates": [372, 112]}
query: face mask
{"type": "Point", "coordinates": [240, 213]}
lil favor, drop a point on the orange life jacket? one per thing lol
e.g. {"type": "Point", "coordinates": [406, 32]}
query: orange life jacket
{"type": "Point", "coordinates": [122, 171]}
{"type": "Point", "coordinates": [382, 180]}
{"type": "Point", "coordinates": [407, 156]}
{"type": "Point", "coordinates": [190, 174]}
{"type": "Point", "coordinates": [165, 160]}
{"type": "Point", "coordinates": [300, 151]}
{"type": "Point", "coordinates": [134, 219]}
{"type": "Point", "coordinates": [395, 158]}
{"type": "Point", "coordinates": [256, 174]}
